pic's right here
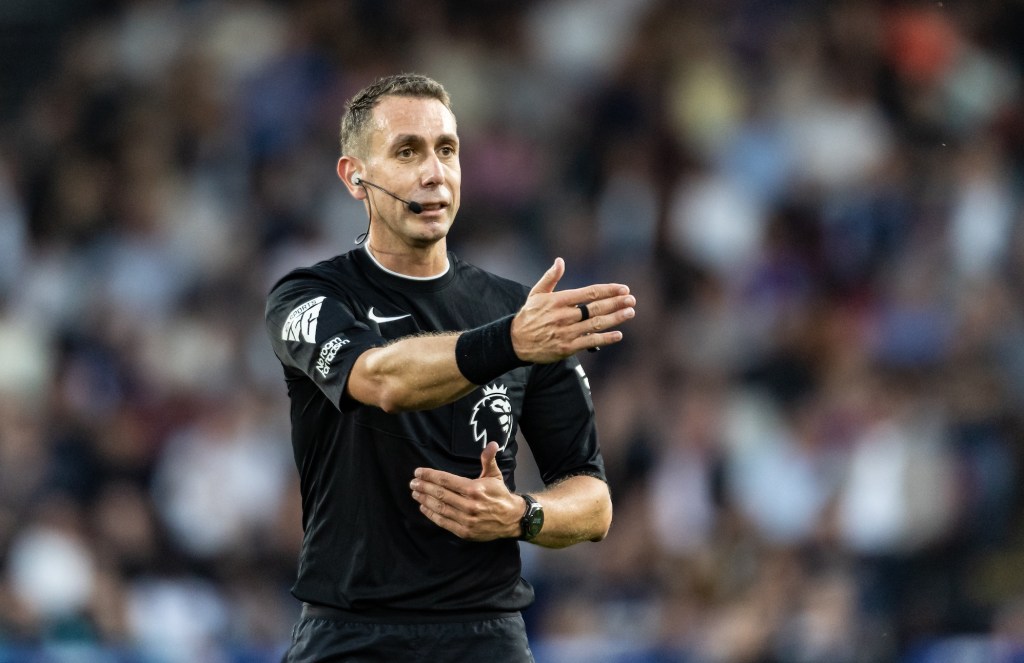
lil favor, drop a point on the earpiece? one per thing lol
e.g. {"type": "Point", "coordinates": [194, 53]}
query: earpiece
{"type": "Point", "coordinates": [357, 179]}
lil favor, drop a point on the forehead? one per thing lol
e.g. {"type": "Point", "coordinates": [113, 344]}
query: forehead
{"type": "Point", "coordinates": [394, 116]}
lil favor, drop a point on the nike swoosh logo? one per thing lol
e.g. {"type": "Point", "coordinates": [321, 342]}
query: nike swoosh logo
{"type": "Point", "coordinates": [380, 318]}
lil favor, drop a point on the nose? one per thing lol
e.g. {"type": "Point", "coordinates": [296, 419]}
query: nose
{"type": "Point", "coordinates": [433, 171]}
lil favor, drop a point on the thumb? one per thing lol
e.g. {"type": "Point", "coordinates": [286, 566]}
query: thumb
{"type": "Point", "coordinates": [489, 462]}
{"type": "Point", "coordinates": [550, 278]}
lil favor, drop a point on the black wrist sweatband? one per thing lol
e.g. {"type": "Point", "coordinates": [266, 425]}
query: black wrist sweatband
{"type": "Point", "coordinates": [486, 352]}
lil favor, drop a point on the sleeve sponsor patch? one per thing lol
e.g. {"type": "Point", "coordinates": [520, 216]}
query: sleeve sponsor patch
{"type": "Point", "coordinates": [328, 352]}
{"type": "Point", "coordinates": [301, 322]}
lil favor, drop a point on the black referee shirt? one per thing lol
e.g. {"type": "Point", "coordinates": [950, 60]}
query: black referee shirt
{"type": "Point", "coordinates": [366, 546]}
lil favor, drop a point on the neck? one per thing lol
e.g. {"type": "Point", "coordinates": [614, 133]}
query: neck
{"type": "Point", "coordinates": [428, 262]}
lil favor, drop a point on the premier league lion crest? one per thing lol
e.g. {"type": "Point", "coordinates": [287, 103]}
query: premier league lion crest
{"type": "Point", "coordinates": [492, 417]}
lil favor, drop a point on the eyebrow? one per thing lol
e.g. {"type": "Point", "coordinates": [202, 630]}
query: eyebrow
{"type": "Point", "coordinates": [401, 139]}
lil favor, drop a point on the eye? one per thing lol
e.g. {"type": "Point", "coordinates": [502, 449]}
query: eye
{"type": "Point", "coordinates": [406, 153]}
{"type": "Point", "coordinates": [447, 151]}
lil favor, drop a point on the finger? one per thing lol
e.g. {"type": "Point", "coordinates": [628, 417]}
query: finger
{"type": "Point", "coordinates": [608, 306]}
{"type": "Point", "coordinates": [433, 504]}
{"type": "Point", "coordinates": [588, 341]}
{"type": "Point", "coordinates": [452, 482]}
{"type": "Point", "coordinates": [441, 500]}
{"type": "Point", "coordinates": [550, 278]}
{"type": "Point", "coordinates": [489, 461]}
{"type": "Point", "coordinates": [590, 293]}
{"type": "Point", "coordinates": [600, 323]}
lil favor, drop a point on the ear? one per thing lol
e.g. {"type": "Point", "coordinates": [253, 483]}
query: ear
{"type": "Point", "coordinates": [348, 168]}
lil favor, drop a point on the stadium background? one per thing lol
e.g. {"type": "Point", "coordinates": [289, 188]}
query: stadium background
{"type": "Point", "coordinates": [813, 430]}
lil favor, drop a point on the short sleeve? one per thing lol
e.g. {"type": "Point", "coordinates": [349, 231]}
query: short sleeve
{"type": "Point", "coordinates": [558, 422]}
{"type": "Point", "coordinates": [314, 330]}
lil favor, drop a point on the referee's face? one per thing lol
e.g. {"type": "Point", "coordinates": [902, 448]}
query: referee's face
{"type": "Point", "coordinates": [413, 152]}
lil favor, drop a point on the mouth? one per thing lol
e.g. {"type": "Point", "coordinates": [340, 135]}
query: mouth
{"type": "Point", "coordinates": [433, 206]}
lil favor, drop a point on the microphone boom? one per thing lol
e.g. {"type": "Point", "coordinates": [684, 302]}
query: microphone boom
{"type": "Point", "coordinates": [413, 206]}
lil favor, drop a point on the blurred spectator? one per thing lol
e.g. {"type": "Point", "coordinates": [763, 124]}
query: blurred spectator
{"type": "Point", "coordinates": [812, 432]}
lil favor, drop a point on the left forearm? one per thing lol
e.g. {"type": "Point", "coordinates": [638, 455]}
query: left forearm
{"type": "Point", "coordinates": [575, 510]}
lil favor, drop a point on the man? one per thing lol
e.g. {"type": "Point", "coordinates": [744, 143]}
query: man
{"type": "Point", "coordinates": [409, 373]}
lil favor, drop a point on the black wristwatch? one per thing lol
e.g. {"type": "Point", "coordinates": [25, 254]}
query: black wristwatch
{"type": "Point", "coordinates": [533, 519]}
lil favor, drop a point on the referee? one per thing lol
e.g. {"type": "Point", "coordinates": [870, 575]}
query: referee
{"type": "Point", "coordinates": [409, 373]}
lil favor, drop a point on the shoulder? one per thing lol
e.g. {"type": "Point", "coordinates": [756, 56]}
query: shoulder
{"type": "Point", "coordinates": [304, 288]}
{"type": "Point", "coordinates": [482, 281]}
{"type": "Point", "coordinates": [333, 272]}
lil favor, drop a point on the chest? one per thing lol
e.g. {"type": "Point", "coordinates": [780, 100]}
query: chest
{"type": "Point", "coordinates": [458, 432]}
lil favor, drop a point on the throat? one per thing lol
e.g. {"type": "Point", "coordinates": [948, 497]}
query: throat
{"type": "Point", "coordinates": [419, 268]}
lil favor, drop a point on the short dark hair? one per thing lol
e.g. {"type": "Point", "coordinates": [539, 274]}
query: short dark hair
{"type": "Point", "coordinates": [359, 108]}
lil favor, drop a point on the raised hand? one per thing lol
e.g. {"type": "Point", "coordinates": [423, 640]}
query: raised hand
{"type": "Point", "coordinates": [551, 325]}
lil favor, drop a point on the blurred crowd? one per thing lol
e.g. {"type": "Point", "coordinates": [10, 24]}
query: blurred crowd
{"type": "Point", "coordinates": [813, 429]}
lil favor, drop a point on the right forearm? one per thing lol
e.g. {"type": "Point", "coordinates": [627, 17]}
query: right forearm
{"type": "Point", "coordinates": [414, 373]}
{"type": "Point", "coordinates": [423, 372]}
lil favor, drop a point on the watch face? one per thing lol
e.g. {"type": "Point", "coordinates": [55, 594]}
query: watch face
{"type": "Point", "coordinates": [534, 521]}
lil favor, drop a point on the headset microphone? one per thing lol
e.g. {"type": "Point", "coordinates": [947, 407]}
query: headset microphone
{"type": "Point", "coordinates": [413, 206]}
